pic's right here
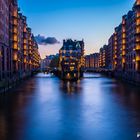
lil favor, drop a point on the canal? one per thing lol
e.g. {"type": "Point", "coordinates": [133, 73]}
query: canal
{"type": "Point", "coordinates": [94, 108]}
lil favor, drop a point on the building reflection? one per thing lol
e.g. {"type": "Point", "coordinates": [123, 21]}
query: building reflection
{"type": "Point", "coordinates": [127, 95]}
{"type": "Point", "coordinates": [70, 87]}
{"type": "Point", "coordinates": [74, 109]}
{"type": "Point", "coordinates": [13, 107]}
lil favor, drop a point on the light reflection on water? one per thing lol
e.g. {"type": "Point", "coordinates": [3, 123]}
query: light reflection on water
{"type": "Point", "coordinates": [94, 108]}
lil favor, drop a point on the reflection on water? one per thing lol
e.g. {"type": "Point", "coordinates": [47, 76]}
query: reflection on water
{"type": "Point", "coordinates": [94, 108]}
{"type": "Point", "coordinates": [68, 87]}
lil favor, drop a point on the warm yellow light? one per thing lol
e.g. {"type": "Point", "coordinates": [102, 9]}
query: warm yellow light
{"type": "Point", "coordinates": [123, 53]}
{"type": "Point", "coordinates": [25, 53]}
{"type": "Point", "coordinates": [15, 30]}
{"type": "Point", "coordinates": [71, 68]}
{"type": "Point", "coordinates": [138, 2]}
{"type": "Point", "coordinates": [15, 13]}
{"type": "Point", "coordinates": [138, 22]}
{"type": "Point", "coordinates": [25, 60]}
{"type": "Point", "coordinates": [30, 62]}
{"type": "Point", "coordinates": [15, 38]}
{"type": "Point", "coordinates": [15, 46]}
{"type": "Point", "coordinates": [123, 47]}
{"type": "Point", "coordinates": [123, 22]}
{"type": "Point", "coordinates": [123, 41]}
{"type": "Point", "coordinates": [138, 14]}
{"type": "Point", "coordinates": [25, 41]}
{"type": "Point", "coordinates": [138, 30]}
{"type": "Point", "coordinates": [123, 60]}
{"type": "Point", "coordinates": [30, 52]}
{"type": "Point", "coordinates": [25, 47]}
{"type": "Point", "coordinates": [25, 29]}
{"type": "Point", "coordinates": [137, 58]}
{"type": "Point", "coordinates": [124, 35]}
{"type": "Point", "coordinates": [0, 53]}
{"type": "Point", "coordinates": [15, 22]}
{"type": "Point", "coordinates": [138, 39]}
{"type": "Point", "coordinates": [15, 57]}
{"type": "Point", "coordinates": [123, 30]}
{"type": "Point", "coordinates": [137, 47]}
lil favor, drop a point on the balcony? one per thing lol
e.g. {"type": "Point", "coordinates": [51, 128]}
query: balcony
{"type": "Point", "coordinates": [15, 57]}
{"type": "Point", "coordinates": [115, 56]}
{"type": "Point", "coordinates": [123, 41]}
{"type": "Point", "coordinates": [30, 62]}
{"type": "Point", "coordinates": [137, 47]}
{"type": "Point", "coordinates": [25, 53]}
{"type": "Point", "coordinates": [30, 52]}
{"type": "Point", "coordinates": [123, 22]}
{"type": "Point", "coordinates": [137, 2]}
{"type": "Point", "coordinates": [15, 46]}
{"type": "Point", "coordinates": [25, 30]}
{"type": "Point", "coordinates": [30, 47]}
{"type": "Point", "coordinates": [15, 13]}
{"type": "Point", "coordinates": [137, 58]}
{"type": "Point", "coordinates": [138, 23]}
{"type": "Point", "coordinates": [138, 15]}
{"type": "Point", "coordinates": [30, 43]}
{"type": "Point", "coordinates": [15, 39]}
{"type": "Point", "coordinates": [137, 39]}
{"type": "Point", "coordinates": [123, 30]}
{"type": "Point", "coordinates": [15, 30]}
{"type": "Point", "coordinates": [123, 35]}
{"type": "Point", "coordinates": [138, 30]}
{"type": "Point", "coordinates": [25, 61]}
{"type": "Point", "coordinates": [25, 47]}
{"type": "Point", "coordinates": [15, 22]}
{"type": "Point", "coordinates": [123, 53]}
{"type": "Point", "coordinates": [123, 47]}
{"type": "Point", "coordinates": [25, 41]}
{"type": "Point", "coordinates": [123, 61]}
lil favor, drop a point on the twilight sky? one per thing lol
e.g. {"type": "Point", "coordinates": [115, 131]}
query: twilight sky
{"type": "Point", "coordinates": [91, 20]}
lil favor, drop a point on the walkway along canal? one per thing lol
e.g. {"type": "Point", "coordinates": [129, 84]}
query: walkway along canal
{"type": "Point", "coordinates": [93, 108]}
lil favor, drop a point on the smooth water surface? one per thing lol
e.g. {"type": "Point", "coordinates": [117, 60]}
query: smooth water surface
{"type": "Point", "coordinates": [94, 108]}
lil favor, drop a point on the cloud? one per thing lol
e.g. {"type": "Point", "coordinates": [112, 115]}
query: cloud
{"type": "Point", "coordinates": [41, 40]}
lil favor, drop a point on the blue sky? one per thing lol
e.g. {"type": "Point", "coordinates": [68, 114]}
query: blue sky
{"type": "Point", "coordinates": [91, 20]}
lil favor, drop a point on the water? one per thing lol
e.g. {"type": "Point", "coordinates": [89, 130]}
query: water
{"type": "Point", "coordinates": [46, 108]}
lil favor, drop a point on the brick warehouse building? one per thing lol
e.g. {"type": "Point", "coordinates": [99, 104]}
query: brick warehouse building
{"type": "Point", "coordinates": [122, 54]}
{"type": "Point", "coordinates": [71, 59]}
{"type": "Point", "coordinates": [126, 59]}
{"type": "Point", "coordinates": [4, 39]}
{"type": "Point", "coordinates": [19, 55]}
